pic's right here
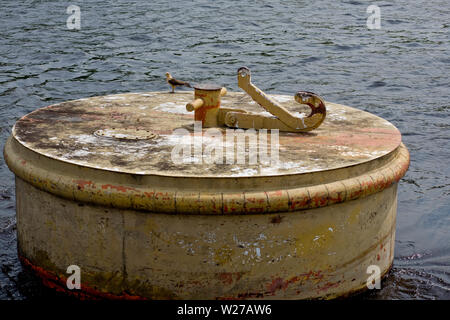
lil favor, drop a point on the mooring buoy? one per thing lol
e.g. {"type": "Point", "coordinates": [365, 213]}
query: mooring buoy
{"type": "Point", "coordinates": [97, 186]}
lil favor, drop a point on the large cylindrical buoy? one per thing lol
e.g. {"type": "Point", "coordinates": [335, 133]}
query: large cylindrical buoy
{"type": "Point", "coordinates": [97, 186]}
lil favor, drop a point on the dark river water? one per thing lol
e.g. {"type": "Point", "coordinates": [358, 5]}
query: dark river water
{"type": "Point", "coordinates": [399, 72]}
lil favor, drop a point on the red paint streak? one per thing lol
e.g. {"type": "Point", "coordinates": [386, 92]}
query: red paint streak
{"type": "Point", "coordinates": [300, 204]}
{"type": "Point", "coordinates": [378, 257]}
{"type": "Point", "coordinates": [255, 200]}
{"type": "Point", "coordinates": [278, 193]}
{"type": "Point", "coordinates": [149, 194]}
{"type": "Point", "coordinates": [319, 201]}
{"type": "Point", "coordinates": [257, 205]}
{"type": "Point", "coordinates": [58, 283]}
{"type": "Point", "coordinates": [367, 185]}
{"type": "Point", "coordinates": [356, 193]}
{"type": "Point", "coordinates": [163, 196]}
{"type": "Point", "coordinates": [230, 209]}
{"type": "Point", "coordinates": [380, 184]}
{"type": "Point", "coordinates": [82, 183]}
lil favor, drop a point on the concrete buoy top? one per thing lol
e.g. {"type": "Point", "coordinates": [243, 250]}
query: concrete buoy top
{"type": "Point", "coordinates": [124, 143]}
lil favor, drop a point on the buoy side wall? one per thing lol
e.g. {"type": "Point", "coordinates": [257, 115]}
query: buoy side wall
{"type": "Point", "coordinates": [322, 252]}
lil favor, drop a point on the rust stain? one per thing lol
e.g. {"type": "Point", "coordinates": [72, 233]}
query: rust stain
{"type": "Point", "coordinates": [280, 284]}
{"type": "Point", "coordinates": [328, 286]}
{"type": "Point", "coordinates": [227, 277]}
{"type": "Point", "coordinates": [276, 219]}
{"type": "Point", "coordinates": [316, 275]}
{"type": "Point", "coordinates": [58, 283]}
{"type": "Point", "coordinates": [276, 284]}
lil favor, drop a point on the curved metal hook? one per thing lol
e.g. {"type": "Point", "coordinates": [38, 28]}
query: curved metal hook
{"type": "Point", "coordinates": [317, 106]}
{"type": "Point", "coordinates": [285, 120]}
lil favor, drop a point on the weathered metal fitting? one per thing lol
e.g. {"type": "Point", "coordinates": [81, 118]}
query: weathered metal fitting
{"type": "Point", "coordinates": [207, 109]}
{"type": "Point", "coordinates": [206, 104]}
{"type": "Point", "coordinates": [284, 120]}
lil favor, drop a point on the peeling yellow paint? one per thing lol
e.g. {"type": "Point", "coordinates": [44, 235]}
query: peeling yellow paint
{"type": "Point", "coordinates": [223, 255]}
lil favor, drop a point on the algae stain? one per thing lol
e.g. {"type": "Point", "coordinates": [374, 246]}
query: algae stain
{"type": "Point", "coordinates": [354, 215]}
{"type": "Point", "coordinates": [318, 238]}
{"type": "Point", "coordinates": [223, 255]}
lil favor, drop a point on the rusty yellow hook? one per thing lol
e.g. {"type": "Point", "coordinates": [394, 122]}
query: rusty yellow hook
{"type": "Point", "coordinates": [206, 106]}
{"type": "Point", "coordinates": [284, 121]}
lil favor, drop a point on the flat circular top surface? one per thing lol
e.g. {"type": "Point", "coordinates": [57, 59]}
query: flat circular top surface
{"type": "Point", "coordinates": [207, 86]}
{"type": "Point", "coordinates": [134, 133]}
